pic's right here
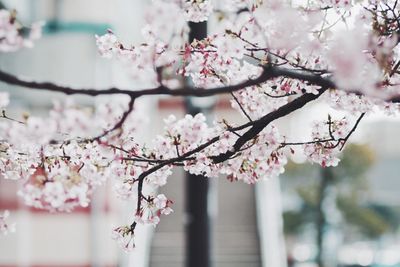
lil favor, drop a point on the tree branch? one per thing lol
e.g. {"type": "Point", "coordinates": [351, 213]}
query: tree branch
{"type": "Point", "coordinates": [339, 141]}
{"type": "Point", "coordinates": [269, 72]}
{"type": "Point", "coordinates": [263, 122]}
{"type": "Point", "coordinates": [120, 123]}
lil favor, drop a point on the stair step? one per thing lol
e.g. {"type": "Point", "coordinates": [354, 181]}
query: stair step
{"type": "Point", "coordinates": [235, 241]}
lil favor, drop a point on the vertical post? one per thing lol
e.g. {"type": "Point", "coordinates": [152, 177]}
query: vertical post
{"type": "Point", "coordinates": [326, 181]}
{"type": "Point", "coordinates": [198, 244]}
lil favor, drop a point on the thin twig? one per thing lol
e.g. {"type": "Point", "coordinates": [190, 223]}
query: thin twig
{"type": "Point", "coordinates": [241, 107]}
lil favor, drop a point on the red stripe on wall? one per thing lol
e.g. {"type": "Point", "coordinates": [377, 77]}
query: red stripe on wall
{"type": "Point", "coordinates": [176, 103]}
{"type": "Point", "coordinates": [9, 205]}
{"type": "Point", "coordinates": [77, 210]}
{"type": "Point", "coordinates": [15, 205]}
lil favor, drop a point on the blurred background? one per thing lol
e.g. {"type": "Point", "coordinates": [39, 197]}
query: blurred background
{"type": "Point", "coordinates": [346, 216]}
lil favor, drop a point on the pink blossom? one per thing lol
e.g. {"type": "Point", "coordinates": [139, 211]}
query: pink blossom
{"type": "Point", "coordinates": [107, 44]}
{"type": "Point", "coordinates": [4, 100]}
{"type": "Point", "coordinates": [5, 227]}
{"type": "Point", "coordinates": [11, 38]}
{"type": "Point", "coordinates": [124, 236]}
{"type": "Point", "coordinates": [197, 10]}
{"type": "Point", "coordinates": [61, 157]}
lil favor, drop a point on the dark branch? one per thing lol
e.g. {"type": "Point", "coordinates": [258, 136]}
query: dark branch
{"type": "Point", "coordinates": [268, 73]}
{"type": "Point", "coordinates": [241, 107]}
{"type": "Point", "coordinates": [338, 141]}
{"type": "Point", "coordinates": [260, 124]}
{"type": "Point", "coordinates": [344, 140]}
{"type": "Point", "coordinates": [120, 123]}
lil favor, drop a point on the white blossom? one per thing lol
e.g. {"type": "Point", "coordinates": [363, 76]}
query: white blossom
{"type": "Point", "coordinates": [5, 227]}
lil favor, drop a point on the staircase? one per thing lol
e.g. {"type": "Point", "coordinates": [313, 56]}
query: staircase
{"type": "Point", "coordinates": [235, 240]}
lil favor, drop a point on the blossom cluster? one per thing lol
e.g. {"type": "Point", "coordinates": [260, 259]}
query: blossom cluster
{"type": "Point", "coordinates": [328, 138]}
{"type": "Point", "coordinates": [152, 210]}
{"type": "Point", "coordinates": [124, 235]}
{"type": "Point", "coordinates": [259, 159]}
{"type": "Point", "coordinates": [56, 161]}
{"type": "Point", "coordinates": [13, 35]}
{"type": "Point", "coordinates": [5, 227]}
{"type": "Point", "coordinates": [344, 4]}
{"type": "Point", "coordinates": [197, 10]}
{"type": "Point", "coordinates": [262, 159]}
{"type": "Point", "coordinates": [62, 158]}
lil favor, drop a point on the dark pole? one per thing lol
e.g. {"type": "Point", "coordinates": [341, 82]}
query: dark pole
{"type": "Point", "coordinates": [198, 245]}
{"type": "Point", "coordinates": [326, 181]}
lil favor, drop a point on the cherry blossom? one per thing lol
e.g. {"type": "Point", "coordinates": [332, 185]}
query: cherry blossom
{"type": "Point", "coordinates": [4, 100]}
{"type": "Point", "coordinates": [352, 67]}
{"type": "Point", "coordinates": [107, 44]}
{"type": "Point", "coordinates": [329, 138]}
{"type": "Point", "coordinates": [262, 159]}
{"type": "Point", "coordinates": [11, 38]}
{"type": "Point", "coordinates": [5, 227]}
{"type": "Point", "coordinates": [152, 209]}
{"type": "Point", "coordinates": [346, 4]}
{"type": "Point", "coordinates": [54, 191]}
{"type": "Point", "coordinates": [270, 57]}
{"type": "Point", "coordinates": [124, 236]}
{"type": "Point", "coordinates": [197, 10]}
{"type": "Point", "coordinates": [235, 5]}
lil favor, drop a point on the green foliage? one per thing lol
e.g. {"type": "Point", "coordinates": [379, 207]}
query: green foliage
{"type": "Point", "coordinates": [368, 221]}
{"type": "Point", "coordinates": [349, 175]}
{"type": "Point", "coordinates": [355, 162]}
{"type": "Point", "coordinates": [309, 196]}
{"type": "Point", "coordinates": [293, 222]}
